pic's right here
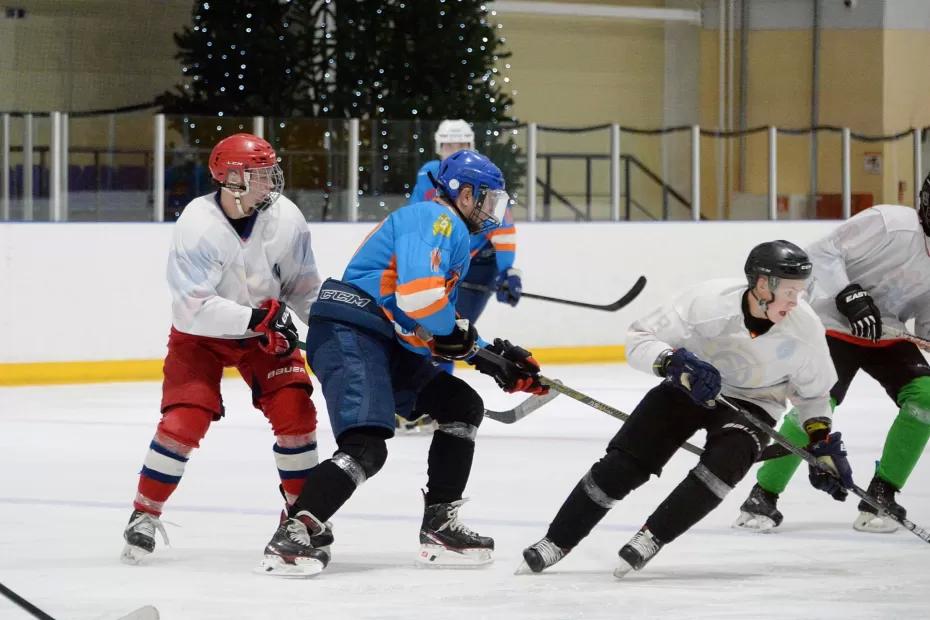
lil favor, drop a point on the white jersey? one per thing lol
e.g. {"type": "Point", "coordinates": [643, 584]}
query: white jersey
{"type": "Point", "coordinates": [885, 251]}
{"type": "Point", "coordinates": [789, 362]}
{"type": "Point", "coordinates": [216, 278]}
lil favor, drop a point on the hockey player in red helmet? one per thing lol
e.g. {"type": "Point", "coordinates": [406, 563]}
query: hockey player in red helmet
{"type": "Point", "coordinates": [247, 170]}
{"type": "Point", "coordinates": [239, 259]}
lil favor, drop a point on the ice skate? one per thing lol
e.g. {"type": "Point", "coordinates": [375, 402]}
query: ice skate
{"type": "Point", "coordinates": [540, 556]}
{"type": "Point", "coordinates": [445, 541]}
{"type": "Point", "coordinates": [140, 536]}
{"type": "Point", "coordinates": [758, 513]}
{"type": "Point", "coordinates": [637, 553]}
{"type": "Point", "coordinates": [869, 520]}
{"type": "Point", "coordinates": [290, 552]}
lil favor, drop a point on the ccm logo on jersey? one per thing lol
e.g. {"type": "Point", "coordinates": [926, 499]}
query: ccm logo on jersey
{"type": "Point", "coordinates": [856, 295]}
{"type": "Point", "coordinates": [345, 298]}
{"type": "Point", "coordinates": [284, 371]}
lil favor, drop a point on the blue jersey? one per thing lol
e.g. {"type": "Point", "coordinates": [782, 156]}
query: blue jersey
{"type": "Point", "coordinates": [499, 242]}
{"type": "Point", "coordinates": [410, 264]}
{"type": "Point", "coordinates": [424, 190]}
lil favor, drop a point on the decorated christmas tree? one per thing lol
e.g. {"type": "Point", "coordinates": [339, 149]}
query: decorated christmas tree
{"type": "Point", "coordinates": [400, 66]}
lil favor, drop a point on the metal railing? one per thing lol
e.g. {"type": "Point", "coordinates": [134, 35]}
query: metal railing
{"type": "Point", "coordinates": [617, 183]}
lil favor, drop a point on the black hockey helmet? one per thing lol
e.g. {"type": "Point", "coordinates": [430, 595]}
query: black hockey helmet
{"type": "Point", "coordinates": [923, 209]}
{"type": "Point", "coordinates": [777, 259]}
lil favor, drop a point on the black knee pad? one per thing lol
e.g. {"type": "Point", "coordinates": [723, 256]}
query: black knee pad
{"type": "Point", "coordinates": [731, 452]}
{"type": "Point", "coordinates": [449, 399]}
{"type": "Point", "coordinates": [366, 447]}
{"type": "Point", "coordinates": [618, 473]}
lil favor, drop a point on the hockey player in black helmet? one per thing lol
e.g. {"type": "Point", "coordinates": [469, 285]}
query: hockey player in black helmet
{"type": "Point", "coordinates": [871, 275]}
{"type": "Point", "coordinates": [758, 345]}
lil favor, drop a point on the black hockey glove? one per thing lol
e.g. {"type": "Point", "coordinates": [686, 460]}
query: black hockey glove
{"type": "Point", "coordinates": [689, 373]}
{"type": "Point", "coordinates": [278, 332]}
{"type": "Point", "coordinates": [832, 453]}
{"type": "Point", "coordinates": [865, 319]}
{"type": "Point", "coordinates": [457, 345]}
{"type": "Point", "coordinates": [514, 369]}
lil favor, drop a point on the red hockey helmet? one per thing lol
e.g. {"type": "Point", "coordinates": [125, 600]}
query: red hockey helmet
{"type": "Point", "coordinates": [242, 161]}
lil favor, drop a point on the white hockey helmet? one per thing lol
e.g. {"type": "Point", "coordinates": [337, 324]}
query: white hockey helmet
{"type": "Point", "coordinates": [454, 132]}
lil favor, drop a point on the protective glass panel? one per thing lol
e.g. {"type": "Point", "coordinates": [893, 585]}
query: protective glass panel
{"type": "Point", "coordinates": [109, 168]}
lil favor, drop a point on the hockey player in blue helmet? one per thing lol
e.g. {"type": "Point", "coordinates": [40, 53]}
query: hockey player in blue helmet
{"type": "Point", "coordinates": [373, 334]}
{"type": "Point", "coordinates": [493, 250]}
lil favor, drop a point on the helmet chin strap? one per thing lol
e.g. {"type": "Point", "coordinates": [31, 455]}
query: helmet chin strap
{"type": "Point", "coordinates": [237, 195]}
{"type": "Point", "coordinates": [763, 303]}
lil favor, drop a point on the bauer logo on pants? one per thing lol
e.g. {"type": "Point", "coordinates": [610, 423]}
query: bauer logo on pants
{"type": "Point", "coordinates": [284, 371]}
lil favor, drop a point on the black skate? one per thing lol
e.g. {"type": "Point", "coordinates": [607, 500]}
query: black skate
{"type": "Point", "coordinates": [322, 540]}
{"type": "Point", "coordinates": [869, 520]}
{"type": "Point", "coordinates": [758, 513]}
{"type": "Point", "coordinates": [540, 556]}
{"type": "Point", "coordinates": [290, 552]}
{"type": "Point", "coordinates": [140, 536]}
{"type": "Point", "coordinates": [637, 553]}
{"type": "Point", "coordinates": [445, 541]}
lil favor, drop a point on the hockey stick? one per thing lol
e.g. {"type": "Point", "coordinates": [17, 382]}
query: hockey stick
{"type": "Point", "coordinates": [613, 307]}
{"type": "Point", "coordinates": [558, 386]}
{"type": "Point", "coordinates": [522, 410]}
{"type": "Point", "coordinates": [812, 460]}
{"type": "Point", "coordinates": [509, 416]}
{"type": "Point", "coordinates": [16, 598]}
{"type": "Point", "coordinates": [922, 343]}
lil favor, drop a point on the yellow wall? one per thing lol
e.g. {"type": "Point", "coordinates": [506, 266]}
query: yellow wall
{"type": "Point", "coordinates": [89, 54]}
{"type": "Point", "coordinates": [867, 83]}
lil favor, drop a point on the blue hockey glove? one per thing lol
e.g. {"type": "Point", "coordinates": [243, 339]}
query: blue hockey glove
{"type": "Point", "coordinates": [689, 373]}
{"type": "Point", "coordinates": [832, 453]}
{"type": "Point", "coordinates": [509, 286]}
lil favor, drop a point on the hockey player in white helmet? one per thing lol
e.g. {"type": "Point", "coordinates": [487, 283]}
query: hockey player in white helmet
{"type": "Point", "coordinates": [755, 341]}
{"type": "Point", "coordinates": [872, 275]}
{"type": "Point", "coordinates": [493, 251]}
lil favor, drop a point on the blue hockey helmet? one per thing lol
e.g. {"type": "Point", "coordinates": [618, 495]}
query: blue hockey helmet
{"type": "Point", "coordinates": [471, 168]}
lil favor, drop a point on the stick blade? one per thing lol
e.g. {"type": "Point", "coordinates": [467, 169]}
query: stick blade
{"type": "Point", "coordinates": [630, 295]}
{"type": "Point", "coordinates": [522, 410]}
{"type": "Point", "coordinates": [143, 613]}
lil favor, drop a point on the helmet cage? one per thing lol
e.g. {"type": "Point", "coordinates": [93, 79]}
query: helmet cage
{"type": "Point", "coordinates": [270, 179]}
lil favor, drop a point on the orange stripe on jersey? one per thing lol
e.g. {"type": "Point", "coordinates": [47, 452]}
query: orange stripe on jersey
{"type": "Point", "coordinates": [421, 284]}
{"type": "Point", "coordinates": [434, 307]}
{"type": "Point", "coordinates": [411, 339]}
{"type": "Point", "coordinates": [509, 230]}
{"type": "Point", "coordinates": [389, 278]}
{"type": "Point", "coordinates": [505, 247]}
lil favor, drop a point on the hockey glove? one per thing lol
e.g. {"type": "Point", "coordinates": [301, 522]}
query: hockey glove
{"type": "Point", "coordinates": [832, 453]}
{"type": "Point", "coordinates": [865, 319]}
{"type": "Point", "coordinates": [458, 344]}
{"type": "Point", "coordinates": [515, 371]}
{"type": "Point", "coordinates": [278, 332]}
{"type": "Point", "coordinates": [509, 286]}
{"type": "Point", "coordinates": [689, 373]}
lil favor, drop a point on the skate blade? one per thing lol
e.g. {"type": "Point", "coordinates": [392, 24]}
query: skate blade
{"type": "Point", "coordinates": [758, 524]}
{"type": "Point", "coordinates": [443, 557]}
{"type": "Point", "coordinates": [303, 568]}
{"type": "Point", "coordinates": [524, 569]}
{"type": "Point", "coordinates": [133, 555]}
{"type": "Point", "coordinates": [874, 524]}
{"type": "Point", "coordinates": [622, 569]}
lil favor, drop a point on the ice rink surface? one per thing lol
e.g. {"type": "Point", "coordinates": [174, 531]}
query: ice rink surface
{"type": "Point", "coordinates": [69, 458]}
